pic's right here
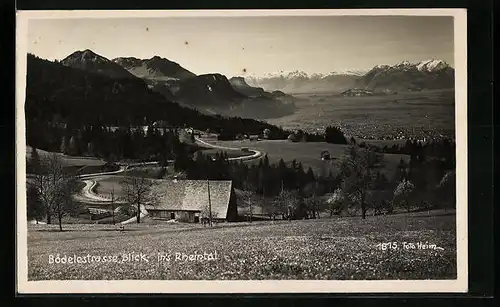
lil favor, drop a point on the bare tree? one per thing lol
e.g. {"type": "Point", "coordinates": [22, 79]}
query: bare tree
{"type": "Point", "coordinates": [54, 187]}
{"type": "Point", "coordinates": [289, 202]}
{"type": "Point", "coordinates": [65, 203]}
{"type": "Point", "coordinates": [357, 169]}
{"type": "Point", "coordinates": [247, 198]}
{"type": "Point", "coordinates": [47, 179]}
{"type": "Point", "coordinates": [139, 191]}
{"type": "Point", "coordinates": [207, 213]}
{"type": "Point", "coordinates": [336, 202]}
{"type": "Point", "coordinates": [35, 208]}
{"type": "Point", "coordinates": [113, 204]}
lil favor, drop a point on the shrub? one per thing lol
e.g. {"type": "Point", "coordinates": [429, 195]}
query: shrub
{"type": "Point", "coordinates": [403, 193]}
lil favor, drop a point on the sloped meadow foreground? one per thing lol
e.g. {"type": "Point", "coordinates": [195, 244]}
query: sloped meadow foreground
{"type": "Point", "coordinates": [347, 248]}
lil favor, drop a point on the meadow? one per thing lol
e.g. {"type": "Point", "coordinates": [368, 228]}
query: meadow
{"type": "Point", "coordinates": [309, 154]}
{"type": "Point", "coordinates": [412, 114]}
{"type": "Point", "coordinates": [333, 248]}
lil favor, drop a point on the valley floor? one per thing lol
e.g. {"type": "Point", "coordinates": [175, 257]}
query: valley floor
{"type": "Point", "coordinates": [331, 248]}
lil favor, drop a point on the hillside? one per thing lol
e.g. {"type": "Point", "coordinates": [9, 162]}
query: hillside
{"type": "Point", "coordinates": [58, 93]}
{"type": "Point", "coordinates": [240, 85]}
{"type": "Point", "coordinates": [213, 93]}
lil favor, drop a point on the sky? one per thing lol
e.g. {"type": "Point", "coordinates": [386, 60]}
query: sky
{"type": "Point", "coordinates": [239, 46]}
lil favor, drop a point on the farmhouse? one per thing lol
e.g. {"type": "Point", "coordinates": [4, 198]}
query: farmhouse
{"type": "Point", "coordinates": [188, 200]}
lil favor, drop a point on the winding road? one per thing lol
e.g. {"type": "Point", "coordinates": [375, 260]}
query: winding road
{"type": "Point", "coordinates": [256, 153]}
{"type": "Point", "coordinates": [88, 196]}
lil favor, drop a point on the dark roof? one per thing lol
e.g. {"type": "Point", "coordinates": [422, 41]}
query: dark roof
{"type": "Point", "coordinates": [192, 195]}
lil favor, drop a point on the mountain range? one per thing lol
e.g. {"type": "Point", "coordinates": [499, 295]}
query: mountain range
{"type": "Point", "coordinates": [404, 76]}
{"type": "Point", "coordinates": [208, 93]}
{"type": "Point", "coordinates": [259, 97]}
{"type": "Point", "coordinates": [57, 93]}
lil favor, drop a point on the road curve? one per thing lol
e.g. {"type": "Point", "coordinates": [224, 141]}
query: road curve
{"type": "Point", "coordinates": [87, 195]}
{"type": "Point", "coordinates": [256, 153]}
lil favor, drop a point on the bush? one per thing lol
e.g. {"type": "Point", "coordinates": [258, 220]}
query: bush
{"type": "Point", "coordinates": [127, 210]}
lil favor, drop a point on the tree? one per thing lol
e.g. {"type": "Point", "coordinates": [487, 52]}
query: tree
{"type": "Point", "coordinates": [207, 214]}
{"type": "Point", "coordinates": [403, 193]}
{"type": "Point", "coordinates": [64, 145]}
{"type": "Point", "coordinates": [313, 206]}
{"type": "Point", "coordinates": [33, 165]}
{"type": "Point", "coordinates": [247, 199]}
{"type": "Point", "coordinates": [357, 169]}
{"type": "Point", "coordinates": [138, 192]}
{"type": "Point", "coordinates": [112, 194]}
{"type": "Point", "coordinates": [447, 189]}
{"type": "Point", "coordinates": [336, 202]}
{"type": "Point", "coordinates": [54, 187]}
{"type": "Point", "coordinates": [48, 176]}
{"type": "Point", "coordinates": [35, 209]}
{"type": "Point", "coordinates": [334, 135]}
{"type": "Point", "coordinates": [65, 203]}
{"type": "Point", "coordinates": [289, 202]}
{"type": "Point", "coordinates": [72, 147]}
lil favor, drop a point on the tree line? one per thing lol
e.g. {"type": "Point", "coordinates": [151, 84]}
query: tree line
{"type": "Point", "coordinates": [361, 183]}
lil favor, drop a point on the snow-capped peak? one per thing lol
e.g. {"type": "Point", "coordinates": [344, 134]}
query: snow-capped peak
{"type": "Point", "coordinates": [297, 74]}
{"type": "Point", "coordinates": [431, 65]}
{"type": "Point", "coordinates": [404, 63]}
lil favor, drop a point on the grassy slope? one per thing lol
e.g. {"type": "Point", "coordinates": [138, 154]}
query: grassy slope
{"type": "Point", "coordinates": [69, 160]}
{"type": "Point", "coordinates": [341, 248]}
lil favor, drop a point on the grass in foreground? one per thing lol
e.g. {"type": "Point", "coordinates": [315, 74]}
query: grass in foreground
{"type": "Point", "coordinates": [340, 248]}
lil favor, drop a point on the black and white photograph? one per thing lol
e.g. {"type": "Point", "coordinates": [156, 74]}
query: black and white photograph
{"type": "Point", "coordinates": [242, 151]}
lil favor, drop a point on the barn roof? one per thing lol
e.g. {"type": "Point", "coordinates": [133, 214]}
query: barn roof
{"type": "Point", "coordinates": [192, 195]}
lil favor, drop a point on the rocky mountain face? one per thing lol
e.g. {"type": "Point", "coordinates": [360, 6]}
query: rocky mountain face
{"type": "Point", "coordinates": [209, 90]}
{"type": "Point", "coordinates": [406, 76]}
{"type": "Point", "coordinates": [155, 68]}
{"type": "Point", "coordinates": [240, 85]}
{"type": "Point", "coordinates": [92, 62]}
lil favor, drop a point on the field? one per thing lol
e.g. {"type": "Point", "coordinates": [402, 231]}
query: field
{"type": "Point", "coordinates": [69, 161]}
{"type": "Point", "coordinates": [105, 185]}
{"type": "Point", "coordinates": [307, 153]}
{"type": "Point", "coordinates": [412, 114]}
{"type": "Point", "coordinates": [337, 248]}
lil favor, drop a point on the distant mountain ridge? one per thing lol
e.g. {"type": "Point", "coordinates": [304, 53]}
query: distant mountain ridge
{"type": "Point", "coordinates": [299, 81]}
{"type": "Point", "coordinates": [406, 76]}
{"type": "Point", "coordinates": [403, 76]}
{"type": "Point", "coordinates": [92, 62]}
